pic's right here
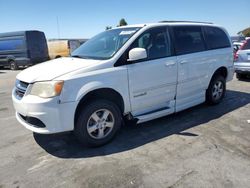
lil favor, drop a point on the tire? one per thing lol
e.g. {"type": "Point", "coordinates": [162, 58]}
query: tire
{"type": "Point", "coordinates": [216, 90]}
{"type": "Point", "coordinates": [92, 129]}
{"type": "Point", "coordinates": [13, 65]}
{"type": "Point", "coordinates": [240, 76]}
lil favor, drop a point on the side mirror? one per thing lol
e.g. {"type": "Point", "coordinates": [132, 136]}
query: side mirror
{"type": "Point", "coordinates": [137, 54]}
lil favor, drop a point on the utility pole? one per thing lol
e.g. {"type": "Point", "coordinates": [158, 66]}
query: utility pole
{"type": "Point", "coordinates": [58, 28]}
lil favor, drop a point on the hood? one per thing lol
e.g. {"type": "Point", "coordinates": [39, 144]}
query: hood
{"type": "Point", "coordinates": [54, 68]}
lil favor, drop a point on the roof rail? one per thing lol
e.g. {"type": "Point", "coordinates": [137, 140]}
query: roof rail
{"type": "Point", "coordinates": [172, 21]}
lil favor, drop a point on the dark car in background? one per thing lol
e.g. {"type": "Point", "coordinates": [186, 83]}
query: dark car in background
{"type": "Point", "coordinates": [23, 48]}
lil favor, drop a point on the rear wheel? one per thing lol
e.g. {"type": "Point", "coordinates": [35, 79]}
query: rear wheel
{"type": "Point", "coordinates": [240, 76]}
{"type": "Point", "coordinates": [97, 123]}
{"type": "Point", "coordinates": [216, 90]}
{"type": "Point", "coordinates": [13, 65]}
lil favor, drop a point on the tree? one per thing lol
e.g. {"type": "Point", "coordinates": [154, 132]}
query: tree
{"type": "Point", "coordinates": [108, 27]}
{"type": "Point", "coordinates": [122, 22]}
{"type": "Point", "coordinates": [245, 32]}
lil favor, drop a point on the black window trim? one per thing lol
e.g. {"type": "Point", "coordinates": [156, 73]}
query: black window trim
{"type": "Point", "coordinates": [122, 61]}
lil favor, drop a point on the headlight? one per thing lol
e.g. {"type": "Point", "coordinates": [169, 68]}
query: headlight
{"type": "Point", "coordinates": [46, 89]}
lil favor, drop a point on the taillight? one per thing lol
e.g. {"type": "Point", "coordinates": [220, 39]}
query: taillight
{"type": "Point", "coordinates": [236, 56]}
{"type": "Point", "coordinates": [243, 45]}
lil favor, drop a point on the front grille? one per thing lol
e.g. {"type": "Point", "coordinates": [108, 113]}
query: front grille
{"type": "Point", "coordinates": [21, 88]}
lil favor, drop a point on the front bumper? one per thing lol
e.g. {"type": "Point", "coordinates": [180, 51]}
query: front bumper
{"type": "Point", "coordinates": [56, 117]}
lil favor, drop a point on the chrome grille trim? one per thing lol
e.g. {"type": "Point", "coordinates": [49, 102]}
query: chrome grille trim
{"type": "Point", "coordinates": [21, 88]}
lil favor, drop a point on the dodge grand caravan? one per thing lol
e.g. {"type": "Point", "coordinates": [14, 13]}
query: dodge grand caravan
{"type": "Point", "coordinates": [137, 72]}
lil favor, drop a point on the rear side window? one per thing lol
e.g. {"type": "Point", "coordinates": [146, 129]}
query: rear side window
{"type": "Point", "coordinates": [188, 39]}
{"type": "Point", "coordinates": [216, 38]}
{"type": "Point", "coordinates": [246, 46]}
{"type": "Point", "coordinates": [11, 44]}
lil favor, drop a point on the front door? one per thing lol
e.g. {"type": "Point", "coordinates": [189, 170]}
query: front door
{"type": "Point", "coordinates": [152, 82]}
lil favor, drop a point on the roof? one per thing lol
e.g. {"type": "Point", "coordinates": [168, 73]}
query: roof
{"type": "Point", "coordinates": [167, 23]}
{"type": "Point", "coordinates": [63, 39]}
{"type": "Point", "coordinates": [16, 33]}
{"type": "Point", "coordinates": [172, 21]}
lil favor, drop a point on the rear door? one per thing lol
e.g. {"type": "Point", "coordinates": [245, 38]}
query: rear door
{"type": "Point", "coordinates": [193, 66]}
{"type": "Point", "coordinates": [152, 82]}
{"type": "Point", "coordinates": [37, 46]}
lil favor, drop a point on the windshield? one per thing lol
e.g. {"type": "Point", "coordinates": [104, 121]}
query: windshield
{"type": "Point", "coordinates": [105, 44]}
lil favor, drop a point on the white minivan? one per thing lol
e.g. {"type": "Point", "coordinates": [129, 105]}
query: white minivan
{"type": "Point", "coordinates": [136, 72]}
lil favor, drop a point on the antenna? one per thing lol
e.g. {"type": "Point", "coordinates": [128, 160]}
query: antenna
{"type": "Point", "coordinates": [58, 28]}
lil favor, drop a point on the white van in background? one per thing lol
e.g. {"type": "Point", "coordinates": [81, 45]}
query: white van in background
{"type": "Point", "coordinates": [139, 72]}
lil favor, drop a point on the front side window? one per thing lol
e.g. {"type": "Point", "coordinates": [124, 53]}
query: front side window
{"type": "Point", "coordinates": [11, 44]}
{"type": "Point", "coordinates": [188, 39]}
{"type": "Point", "coordinates": [216, 38]}
{"type": "Point", "coordinates": [156, 42]}
{"type": "Point", "coordinates": [105, 44]}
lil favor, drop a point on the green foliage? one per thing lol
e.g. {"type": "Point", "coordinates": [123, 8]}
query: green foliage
{"type": "Point", "coordinates": [245, 32]}
{"type": "Point", "coordinates": [122, 22]}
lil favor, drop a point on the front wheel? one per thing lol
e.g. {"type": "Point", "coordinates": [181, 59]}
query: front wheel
{"type": "Point", "coordinates": [13, 65]}
{"type": "Point", "coordinates": [216, 90]}
{"type": "Point", "coordinates": [97, 123]}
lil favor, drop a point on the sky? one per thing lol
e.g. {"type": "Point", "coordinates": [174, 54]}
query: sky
{"type": "Point", "coordinates": [86, 18]}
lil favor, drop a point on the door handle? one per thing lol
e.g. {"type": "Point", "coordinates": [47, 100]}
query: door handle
{"type": "Point", "coordinates": [183, 62]}
{"type": "Point", "coordinates": [170, 64]}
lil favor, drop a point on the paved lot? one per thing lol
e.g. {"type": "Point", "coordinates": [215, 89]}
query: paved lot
{"type": "Point", "coordinates": [205, 146]}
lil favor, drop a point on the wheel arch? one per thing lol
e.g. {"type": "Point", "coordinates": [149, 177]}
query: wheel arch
{"type": "Point", "coordinates": [100, 93]}
{"type": "Point", "coordinates": [11, 58]}
{"type": "Point", "coordinates": [219, 71]}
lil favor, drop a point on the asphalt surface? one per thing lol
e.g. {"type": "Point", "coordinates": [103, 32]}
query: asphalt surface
{"type": "Point", "coordinates": [205, 146]}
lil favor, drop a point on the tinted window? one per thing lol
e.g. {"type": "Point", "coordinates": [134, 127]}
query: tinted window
{"type": "Point", "coordinates": [11, 44]}
{"type": "Point", "coordinates": [216, 38]}
{"type": "Point", "coordinates": [156, 42]}
{"type": "Point", "coordinates": [188, 40]}
{"type": "Point", "coordinates": [246, 46]}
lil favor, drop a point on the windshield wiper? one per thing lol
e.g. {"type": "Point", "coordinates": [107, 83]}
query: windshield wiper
{"type": "Point", "coordinates": [77, 56]}
{"type": "Point", "coordinates": [82, 57]}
